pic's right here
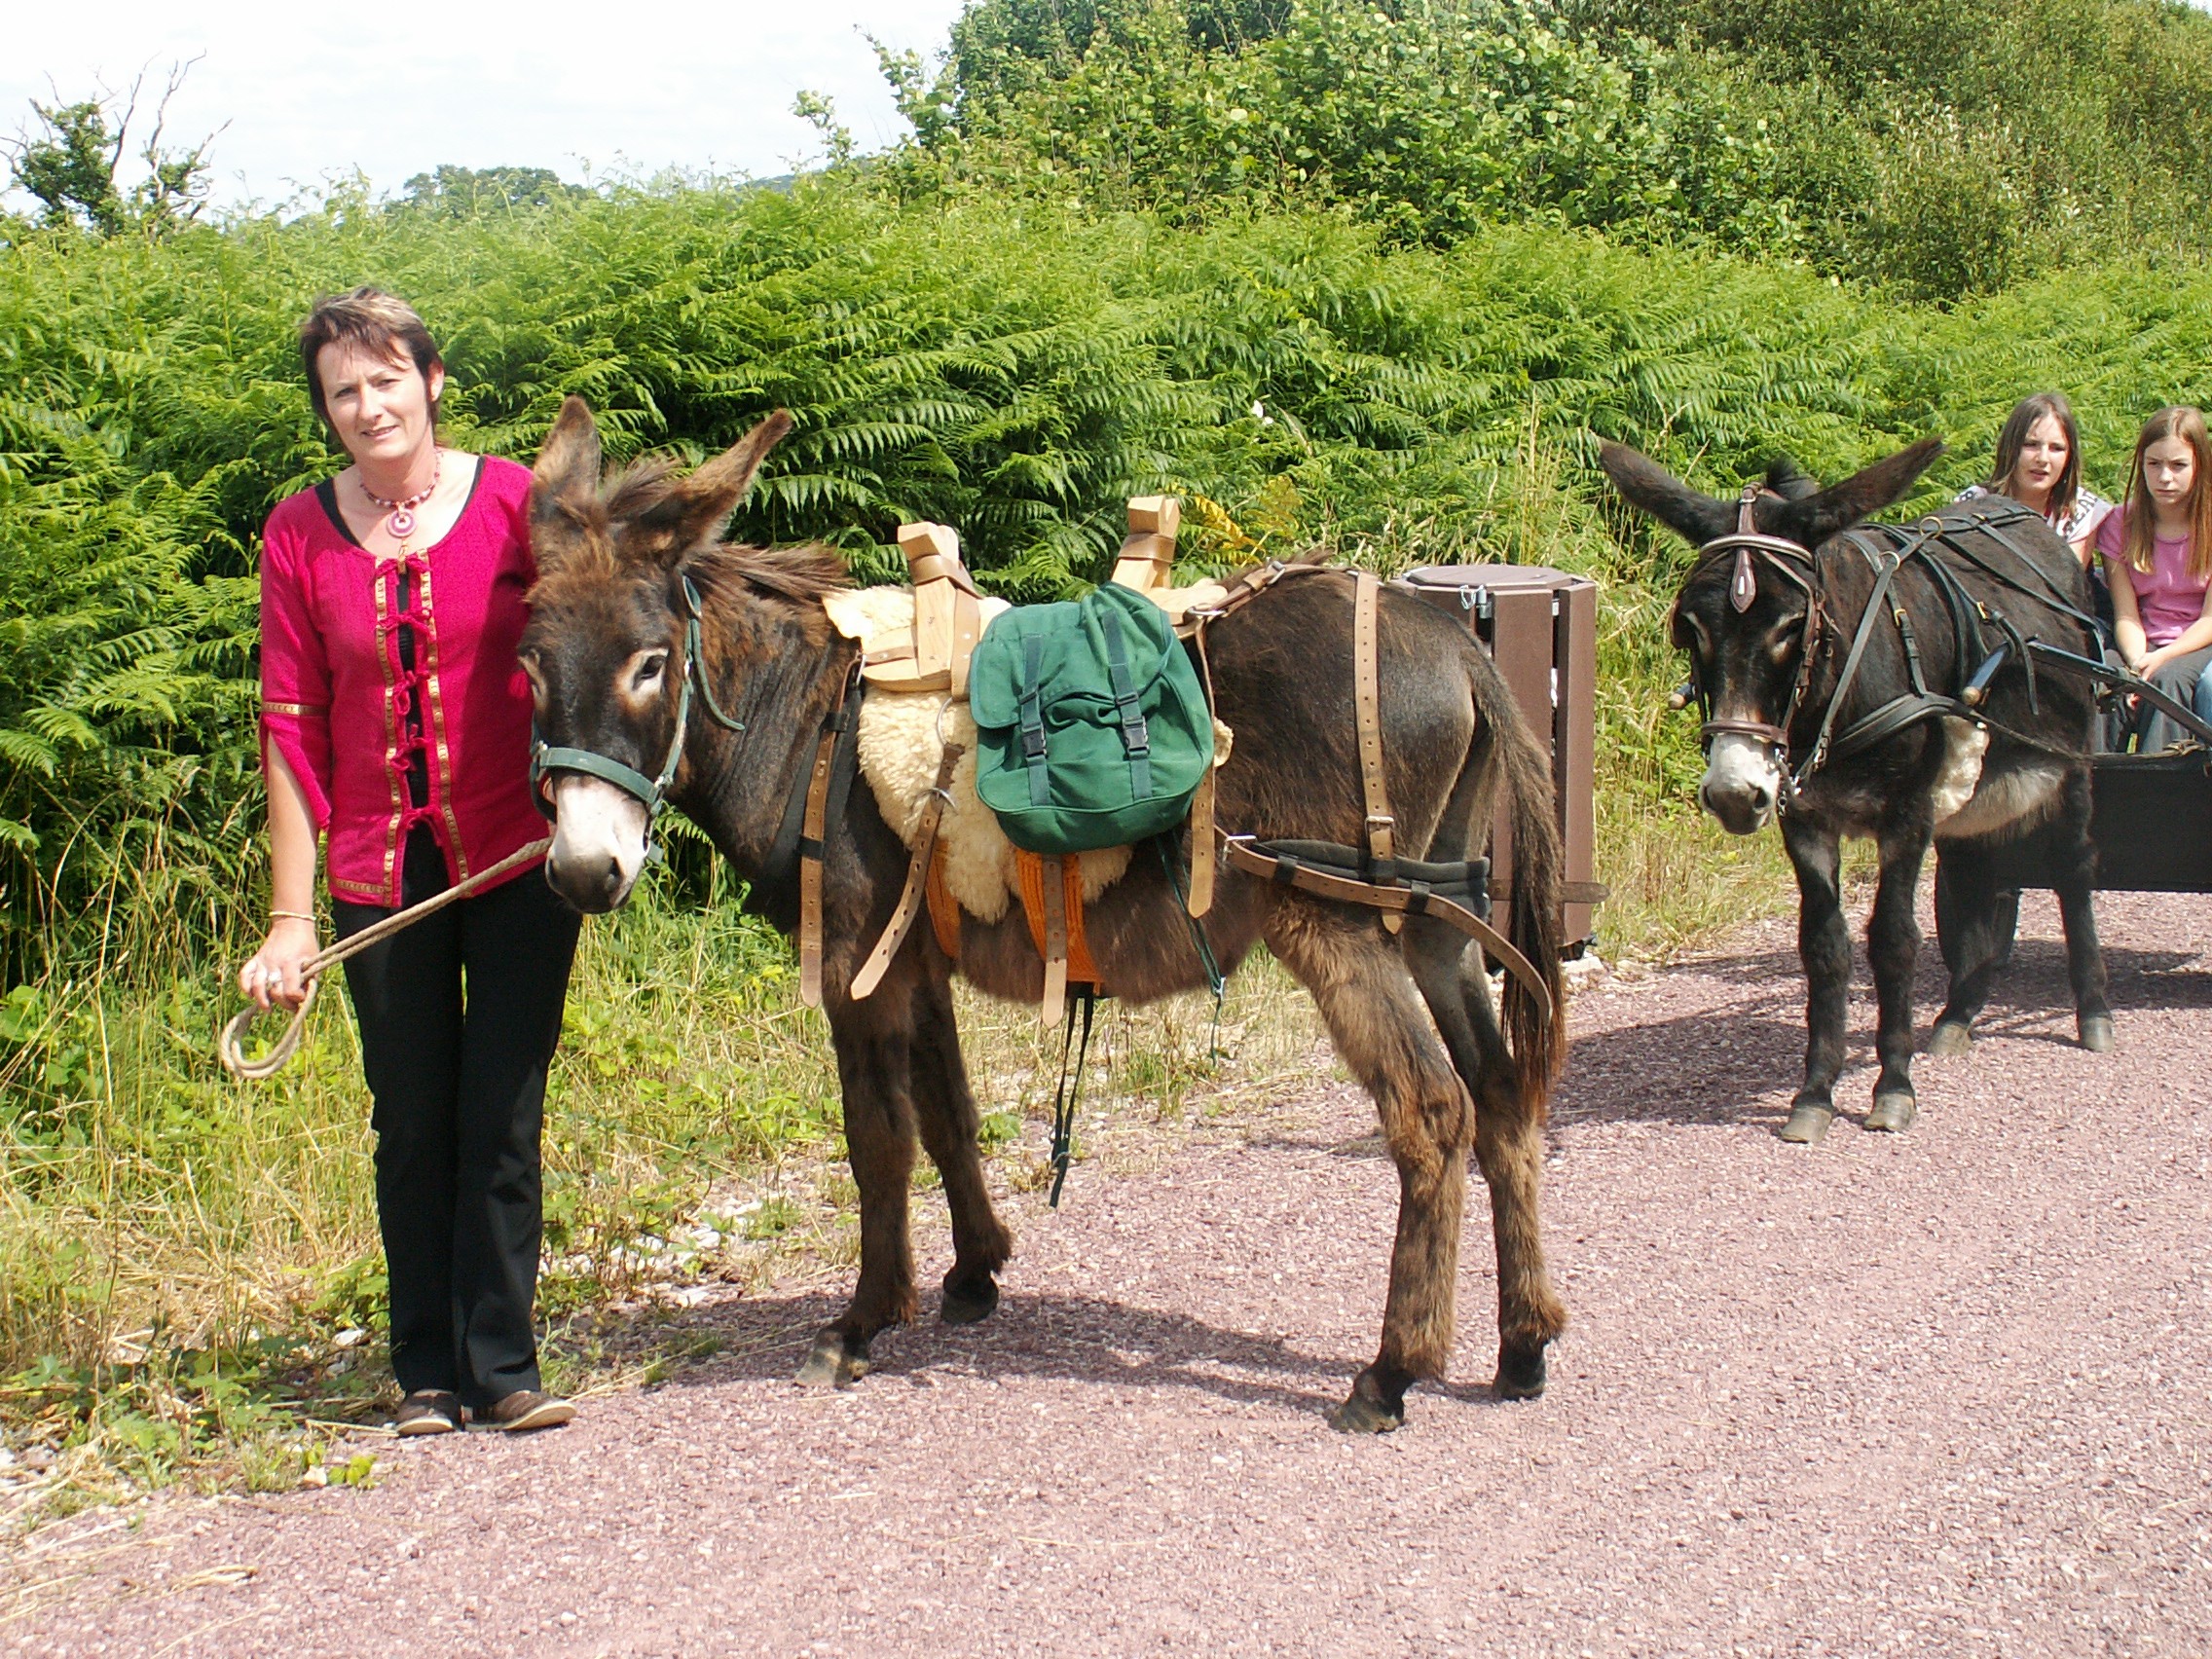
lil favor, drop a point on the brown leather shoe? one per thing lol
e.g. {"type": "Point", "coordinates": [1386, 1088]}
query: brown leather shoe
{"type": "Point", "coordinates": [527, 1408]}
{"type": "Point", "coordinates": [428, 1411]}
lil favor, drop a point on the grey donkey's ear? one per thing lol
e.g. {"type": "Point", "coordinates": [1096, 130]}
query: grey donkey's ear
{"type": "Point", "coordinates": [1813, 520]}
{"type": "Point", "coordinates": [564, 485]}
{"type": "Point", "coordinates": [1650, 488]}
{"type": "Point", "coordinates": [696, 509]}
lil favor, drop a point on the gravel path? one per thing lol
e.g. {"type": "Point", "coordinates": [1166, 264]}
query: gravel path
{"type": "Point", "coordinates": [1948, 1393]}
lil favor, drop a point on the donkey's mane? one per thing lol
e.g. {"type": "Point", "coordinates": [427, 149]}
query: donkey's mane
{"type": "Point", "coordinates": [803, 574]}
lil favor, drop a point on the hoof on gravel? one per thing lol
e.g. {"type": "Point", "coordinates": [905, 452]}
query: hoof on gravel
{"type": "Point", "coordinates": [968, 1303]}
{"type": "Point", "coordinates": [1370, 1409]}
{"type": "Point", "coordinates": [1950, 1040]}
{"type": "Point", "coordinates": [831, 1365]}
{"type": "Point", "coordinates": [1521, 1373]}
{"type": "Point", "coordinates": [1808, 1123]}
{"type": "Point", "coordinates": [2097, 1034]}
{"type": "Point", "coordinates": [1892, 1113]}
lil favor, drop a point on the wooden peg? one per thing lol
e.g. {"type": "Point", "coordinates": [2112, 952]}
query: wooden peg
{"type": "Point", "coordinates": [1148, 557]}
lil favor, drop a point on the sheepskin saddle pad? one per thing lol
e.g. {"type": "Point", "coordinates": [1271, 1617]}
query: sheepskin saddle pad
{"type": "Point", "coordinates": [902, 738]}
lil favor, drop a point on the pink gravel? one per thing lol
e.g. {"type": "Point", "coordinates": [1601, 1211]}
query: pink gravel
{"type": "Point", "coordinates": [1947, 1392]}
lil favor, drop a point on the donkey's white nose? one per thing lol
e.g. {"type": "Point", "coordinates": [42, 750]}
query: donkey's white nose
{"type": "Point", "coordinates": [599, 843]}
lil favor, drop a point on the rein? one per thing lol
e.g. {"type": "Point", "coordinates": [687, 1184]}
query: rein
{"type": "Point", "coordinates": [230, 1046]}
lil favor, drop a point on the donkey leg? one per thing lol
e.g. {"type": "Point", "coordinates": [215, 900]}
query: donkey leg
{"type": "Point", "coordinates": [1508, 1146]}
{"type": "Point", "coordinates": [2076, 882]}
{"type": "Point", "coordinates": [1823, 947]}
{"type": "Point", "coordinates": [1380, 1032]}
{"type": "Point", "coordinates": [873, 1066]}
{"type": "Point", "coordinates": [1893, 946]}
{"type": "Point", "coordinates": [944, 1111]}
{"type": "Point", "coordinates": [1968, 919]}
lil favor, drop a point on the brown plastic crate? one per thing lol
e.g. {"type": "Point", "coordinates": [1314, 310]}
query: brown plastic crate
{"type": "Point", "coordinates": [1541, 628]}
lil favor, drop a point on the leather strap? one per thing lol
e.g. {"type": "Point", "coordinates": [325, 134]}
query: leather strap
{"type": "Point", "coordinates": [1199, 900]}
{"type": "Point", "coordinates": [911, 897]}
{"type": "Point", "coordinates": [1367, 711]}
{"type": "Point", "coordinates": [1395, 903]}
{"type": "Point", "coordinates": [1053, 1005]}
{"type": "Point", "coordinates": [810, 829]}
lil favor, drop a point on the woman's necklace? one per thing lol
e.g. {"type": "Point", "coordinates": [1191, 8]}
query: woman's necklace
{"type": "Point", "coordinates": [400, 525]}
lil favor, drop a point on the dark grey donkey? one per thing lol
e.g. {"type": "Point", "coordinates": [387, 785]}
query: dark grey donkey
{"type": "Point", "coordinates": [1879, 681]}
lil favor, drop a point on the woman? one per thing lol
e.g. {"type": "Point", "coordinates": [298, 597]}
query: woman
{"type": "Point", "coordinates": [395, 722]}
{"type": "Point", "coordinates": [2160, 552]}
{"type": "Point", "coordinates": [2039, 465]}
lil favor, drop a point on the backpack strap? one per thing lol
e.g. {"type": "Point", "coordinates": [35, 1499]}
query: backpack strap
{"type": "Point", "coordinates": [1367, 709]}
{"type": "Point", "coordinates": [1031, 708]}
{"type": "Point", "coordinates": [1136, 739]}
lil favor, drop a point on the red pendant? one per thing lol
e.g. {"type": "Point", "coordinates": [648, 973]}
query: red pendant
{"type": "Point", "coordinates": [400, 526]}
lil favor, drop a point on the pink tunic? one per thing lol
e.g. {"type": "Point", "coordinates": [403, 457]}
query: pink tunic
{"type": "Point", "coordinates": [336, 695]}
{"type": "Point", "coordinates": [2166, 597]}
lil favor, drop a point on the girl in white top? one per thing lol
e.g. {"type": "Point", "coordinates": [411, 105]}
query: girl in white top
{"type": "Point", "coordinates": [2039, 465]}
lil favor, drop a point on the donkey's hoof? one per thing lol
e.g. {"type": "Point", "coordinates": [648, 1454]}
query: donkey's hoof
{"type": "Point", "coordinates": [835, 1362]}
{"type": "Point", "coordinates": [1370, 1409]}
{"type": "Point", "coordinates": [968, 1303]}
{"type": "Point", "coordinates": [1950, 1040]}
{"type": "Point", "coordinates": [1521, 1373]}
{"type": "Point", "coordinates": [1808, 1123]}
{"type": "Point", "coordinates": [2097, 1034]}
{"type": "Point", "coordinates": [1893, 1113]}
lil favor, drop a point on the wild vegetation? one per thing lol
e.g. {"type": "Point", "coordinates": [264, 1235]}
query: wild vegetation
{"type": "Point", "coordinates": [1935, 150]}
{"type": "Point", "coordinates": [1041, 306]}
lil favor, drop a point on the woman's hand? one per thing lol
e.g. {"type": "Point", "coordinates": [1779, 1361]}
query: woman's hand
{"type": "Point", "coordinates": [2149, 662]}
{"type": "Point", "coordinates": [273, 974]}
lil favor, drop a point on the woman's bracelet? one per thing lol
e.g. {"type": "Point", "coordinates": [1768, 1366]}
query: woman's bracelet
{"type": "Point", "coordinates": [291, 916]}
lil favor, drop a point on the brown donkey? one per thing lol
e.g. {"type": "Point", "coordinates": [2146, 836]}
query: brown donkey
{"type": "Point", "coordinates": [606, 652]}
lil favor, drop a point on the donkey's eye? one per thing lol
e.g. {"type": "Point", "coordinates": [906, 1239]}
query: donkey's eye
{"type": "Point", "coordinates": [1782, 640]}
{"type": "Point", "coordinates": [649, 670]}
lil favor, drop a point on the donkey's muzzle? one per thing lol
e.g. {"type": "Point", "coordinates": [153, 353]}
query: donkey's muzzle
{"type": "Point", "coordinates": [1742, 783]}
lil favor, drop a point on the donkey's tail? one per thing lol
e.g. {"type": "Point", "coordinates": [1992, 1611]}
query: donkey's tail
{"type": "Point", "coordinates": [1538, 1036]}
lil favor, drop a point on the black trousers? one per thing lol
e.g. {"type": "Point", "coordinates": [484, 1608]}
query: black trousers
{"type": "Point", "coordinates": [460, 1016]}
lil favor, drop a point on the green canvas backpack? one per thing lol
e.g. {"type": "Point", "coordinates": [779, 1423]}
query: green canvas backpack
{"type": "Point", "coordinates": [1091, 728]}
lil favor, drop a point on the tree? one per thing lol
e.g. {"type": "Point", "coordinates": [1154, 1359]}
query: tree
{"type": "Point", "coordinates": [72, 166]}
{"type": "Point", "coordinates": [459, 193]}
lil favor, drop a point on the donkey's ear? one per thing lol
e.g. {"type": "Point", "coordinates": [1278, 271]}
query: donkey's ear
{"type": "Point", "coordinates": [1813, 520]}
{"type": "Point", "coordinates": [564, 484]}
{"type": "Point", "coordinates": [1787, 479]}
{"type": "Point", "coordinates": [1650, 488]}
{"type": "Point", "coordinates": [694, 510]}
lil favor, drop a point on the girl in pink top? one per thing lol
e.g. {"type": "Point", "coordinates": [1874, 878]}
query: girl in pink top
{"type": "Point", "coordinates": [2158, 551]}
{"type": "Point", "coordinates": [395, 724]}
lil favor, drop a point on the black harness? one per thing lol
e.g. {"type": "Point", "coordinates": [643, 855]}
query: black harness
{"type": "Point", "coordinates": [1931, 545]}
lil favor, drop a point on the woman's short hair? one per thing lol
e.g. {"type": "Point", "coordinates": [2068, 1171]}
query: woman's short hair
{"type": "Point", "coordinates": [2140, 528]}
{"type": "Point", "coordinates": [375, 321]}
{"type": "Point", "coordinates": [2013, 438]}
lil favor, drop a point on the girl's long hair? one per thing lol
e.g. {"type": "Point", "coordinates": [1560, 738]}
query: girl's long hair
{"type": "Point", "coordinates": [2139, 539]}
{"type": "Point", "coordinates": [2014, 438]}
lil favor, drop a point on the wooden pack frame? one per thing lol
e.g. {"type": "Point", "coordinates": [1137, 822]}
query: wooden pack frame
{"type": "Point", "coordinates": [947, 619]}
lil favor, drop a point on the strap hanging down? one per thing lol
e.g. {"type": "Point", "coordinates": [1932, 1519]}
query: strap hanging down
{"type": "Point", "coordinates": [810, 852]}
{"type": "Point", "coordinates": [911, 897]}
{"type": "Point", "coordinates": [1367, 709]}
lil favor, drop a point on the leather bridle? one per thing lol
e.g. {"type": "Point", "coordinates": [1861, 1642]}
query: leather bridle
{"type": "Point", "coordinates": [546, 759]}
{"type": "Point", "coordinates": [1751, 551]}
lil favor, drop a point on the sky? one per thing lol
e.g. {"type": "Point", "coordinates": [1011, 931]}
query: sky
{"type": "Point", "coordinates": [311, 92]}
